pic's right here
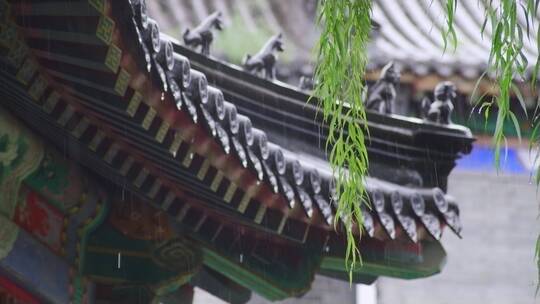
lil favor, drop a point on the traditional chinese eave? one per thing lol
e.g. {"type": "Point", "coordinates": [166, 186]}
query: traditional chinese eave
{"type": "Point", "coordinates": [290, 118]}
{"type": "Point", "coordinates": [97, 80]}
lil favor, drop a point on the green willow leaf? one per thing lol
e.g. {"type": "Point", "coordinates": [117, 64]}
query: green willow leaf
{"type": "Point", "coordinates": [339, 75]}
{"type": "Point", "coordinates": [507, 61]}
{"type": "Point", "coordinates": [520, 98]}
{"type": "Point", "coordinates": [516, 125]}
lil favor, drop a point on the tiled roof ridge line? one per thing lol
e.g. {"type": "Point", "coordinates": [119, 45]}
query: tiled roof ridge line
{"type": "Point", "coordinates": [298, 183]}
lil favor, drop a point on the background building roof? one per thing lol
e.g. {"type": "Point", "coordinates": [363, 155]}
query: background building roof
{"type": "Point", "coordinates": [408, 32]}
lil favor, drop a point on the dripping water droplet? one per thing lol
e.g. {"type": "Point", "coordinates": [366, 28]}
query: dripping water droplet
{"type": "Point", "coordinates": [119, 261]}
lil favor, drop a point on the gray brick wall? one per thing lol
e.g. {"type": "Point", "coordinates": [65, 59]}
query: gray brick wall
{"type": "Point", "coordinates": [493, 263]}
{"type": "Point", "coordinates": [324, 290]}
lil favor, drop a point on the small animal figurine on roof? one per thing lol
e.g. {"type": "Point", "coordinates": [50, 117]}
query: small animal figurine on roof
{"type": "Point", "coordinates": [306, 83]}
{"type": "Point", "coordinates": [440, 110]}
{"type": "Point", "coordinates": [382, 95]}
{"type": "Point", "coordinates": [202, 35]}
{"type": "Point", "coordinates": [265, 60]}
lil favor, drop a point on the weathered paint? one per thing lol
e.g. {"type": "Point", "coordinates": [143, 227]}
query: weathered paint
{"type": "Point", "coordinates": [38, 269]}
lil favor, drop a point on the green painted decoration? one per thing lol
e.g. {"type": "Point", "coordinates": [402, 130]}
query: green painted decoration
{"type": "Point", "coordinates": [8, 234]}
{"type": "Point", "coordinates": [20, 155]}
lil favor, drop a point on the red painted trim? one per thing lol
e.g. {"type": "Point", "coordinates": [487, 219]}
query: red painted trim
{"type": "Point", "coordinates": [16, 292]}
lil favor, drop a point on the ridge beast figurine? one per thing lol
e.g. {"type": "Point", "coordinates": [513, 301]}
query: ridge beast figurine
{"type": "Point", "coordinates": [439, 111]}
{"type": "Point", "coordinates": [202, 35]}
{"type": "Point", "coordinates": [265, 60]}
{"type": "Point", "coordinates": [382, 95]}
{"type": "Point", "coordinates": [306, 83]}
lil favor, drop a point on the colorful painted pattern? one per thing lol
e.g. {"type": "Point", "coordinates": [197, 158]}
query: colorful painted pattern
{"type": "Point", "coordinates": [40, 219]}
{"type": "Point", "coordinates": [20, 155]}
{"type": "Point", "coordinates": [44, 200]}
{"type": "Point", "coordinates": [58, 180]}
{"type": "Point", "coordinates": [8, 234]}
{"type": "Point", "coordinates": [12, 293]}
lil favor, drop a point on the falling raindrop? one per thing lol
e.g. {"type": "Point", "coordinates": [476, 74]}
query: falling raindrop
{"type": "Point", "coordinates": [241, 258]}
{"type": "Point", "coordinates": [119, 261]}
{"type": "Point", "coordinates": [162, 96]}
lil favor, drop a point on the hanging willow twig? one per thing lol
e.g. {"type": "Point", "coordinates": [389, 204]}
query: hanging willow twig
{"type": "Point", "coordinates": [508, 61]}
{"type": "Point", "coordinates": [339, 75]}
{"type": "Point", "coordinates": [449, 34]}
